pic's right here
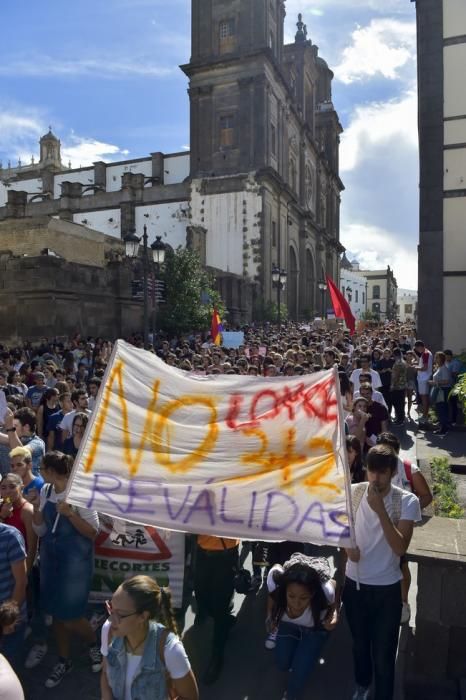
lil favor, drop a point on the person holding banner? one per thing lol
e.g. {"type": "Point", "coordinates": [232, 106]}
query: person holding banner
{"type": "Point", "coordinates": [143, 656]}
{"type": "Point", "coordinates": [66, 562]}
{"type": "Point", "coordinates": [214, 574]}
{"type": "Point", "coordinates": [384, 518]}
{"type": "Point", "coordinates": [301, 612]}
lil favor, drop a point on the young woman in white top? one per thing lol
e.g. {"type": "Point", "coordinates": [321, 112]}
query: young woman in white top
{"type": "Point", "coordinates": [301, 612]}
{"type": "Point", "coordinates": [143, 656]}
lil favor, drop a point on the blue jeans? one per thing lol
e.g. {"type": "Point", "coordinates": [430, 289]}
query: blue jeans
{"type": "Point", "coordinates": [441, 408]}
{"type": "Point", "coordinates": [373, 615]}
{"type": "Point", "coordinates": [297, 651]}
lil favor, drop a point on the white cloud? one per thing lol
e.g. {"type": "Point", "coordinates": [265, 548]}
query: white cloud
{"type": "Point", "coordinates": [19, 134]}
{"type": "Point", "coordinates": [83, 151]}
{"type": "Point", "coordinates": [380, 6]}
{"type": "Point", "coordinates": [375, 248]}
{"type": "Point", "coordinates": [376, 124]}
{"type": "Point", "coordinates": [380, 49]}
{"type": "Point", "coordinates": [47, 66]}
{"type": "Point", "coordinates": [22, 127]}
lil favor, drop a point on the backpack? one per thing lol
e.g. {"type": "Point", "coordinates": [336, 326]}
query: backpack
{"type": "Point", "coordinates": [409, 472]}
{"type": "Point", "coordinates": [359, 491]}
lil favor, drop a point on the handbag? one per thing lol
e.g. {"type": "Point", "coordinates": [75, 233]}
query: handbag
{"type": "Point", "coordinates": [434, 392]}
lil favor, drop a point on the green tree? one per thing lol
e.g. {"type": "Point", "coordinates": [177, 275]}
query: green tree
{"type": "Point", "coordinates": [186, 284]}
{"type": "Point", "coordinates": [369, 316]}
{"type": "Point", "coordinates": [269, 312]}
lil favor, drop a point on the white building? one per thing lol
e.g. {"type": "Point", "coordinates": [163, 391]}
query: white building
{"type": "Point", "coordinates": [353, 286]}
{"type": "Point", "coordinates": [407, 305]}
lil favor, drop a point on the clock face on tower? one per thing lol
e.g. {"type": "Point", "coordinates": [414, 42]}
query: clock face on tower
{"type": "Point", "coordinates": [309, 187]}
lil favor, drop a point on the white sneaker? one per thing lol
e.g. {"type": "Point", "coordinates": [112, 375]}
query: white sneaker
{"type": "Point", "coordinates": [96, 659]}
{"type": "Point", "coordinates": [35, 656]}
{"type": "Point", "coordinates": [361, 693]}
{"type": "Point", "coordinates": [59, 671]}
{"type": "Point", "coordinates": [271, 641]}
{"type": "Point", "coordinates": [405, 614]}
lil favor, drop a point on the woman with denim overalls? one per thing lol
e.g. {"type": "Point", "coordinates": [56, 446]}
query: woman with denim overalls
{"type": "Point", "coordinates": [143, 657]}
{"type": "Point", "coordinates": [301, 612]}
{"type": "Point", "coordinates": [66, 562]}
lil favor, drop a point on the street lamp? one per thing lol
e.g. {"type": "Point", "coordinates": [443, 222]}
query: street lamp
{"type": "Point", "coordinates": [279, 281]}
{"type": "Point", "coordinates": [323, 288]}
{"type": "Point", "coordinates": [132, 243]}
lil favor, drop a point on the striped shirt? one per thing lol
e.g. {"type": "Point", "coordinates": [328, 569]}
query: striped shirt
{"type": "Point", "coordinates": [12, 550]}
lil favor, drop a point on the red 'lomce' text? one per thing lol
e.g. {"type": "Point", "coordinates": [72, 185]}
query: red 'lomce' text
{"type": "Point", "coordinates": [318, 401]}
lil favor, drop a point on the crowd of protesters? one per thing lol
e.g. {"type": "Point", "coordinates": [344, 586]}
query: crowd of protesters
{"type": "Point", "coordinates": [46, 546]}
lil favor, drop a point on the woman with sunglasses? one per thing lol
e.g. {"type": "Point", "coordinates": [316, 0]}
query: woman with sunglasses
{"type": "Point", "coordinates": [143, 656]}
{"type": "Point", "coordinates": [302, 610]}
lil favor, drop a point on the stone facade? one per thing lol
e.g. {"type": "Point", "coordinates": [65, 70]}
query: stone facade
{"type": "Point", "coordinates": [441, 52]}
{"type": "Point", "coordinates": [260, 186]}
{"type": "Point", "coordinates": [264, 110]}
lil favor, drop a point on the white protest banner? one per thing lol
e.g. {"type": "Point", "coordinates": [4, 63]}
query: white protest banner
{"type": "Point", "coordinates": [230, 455]}
{"type": "Point", "coordinates": [124, 549]}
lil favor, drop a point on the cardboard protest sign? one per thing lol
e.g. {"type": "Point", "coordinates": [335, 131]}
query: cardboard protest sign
{"type": "Point", "coordinates": [232, 339]}
{"type": "Point", "coordinates": [124, 549]}
{"type": "Point", "coordinates": [230, 455]}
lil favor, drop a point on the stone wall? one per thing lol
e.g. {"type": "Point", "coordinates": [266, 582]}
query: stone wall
{"type": "Point", "coordinates": [74, 243]}
{"type": "Point", "coordinates": [48, 296]}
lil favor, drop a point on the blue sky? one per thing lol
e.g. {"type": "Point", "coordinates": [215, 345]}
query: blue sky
{"type": "Point", "coordinates": [104, 74]}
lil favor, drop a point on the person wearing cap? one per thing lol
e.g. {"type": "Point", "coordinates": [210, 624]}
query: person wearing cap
{"type": "Point", "coordinates": [35, 393]}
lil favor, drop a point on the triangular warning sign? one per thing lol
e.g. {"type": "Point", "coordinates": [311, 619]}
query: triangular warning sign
{"type": "Point", "coordinates": [134, 545]}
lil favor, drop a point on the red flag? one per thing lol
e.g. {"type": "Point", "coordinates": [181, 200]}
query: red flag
{"type": "Point", "coordinates": [340, 305]}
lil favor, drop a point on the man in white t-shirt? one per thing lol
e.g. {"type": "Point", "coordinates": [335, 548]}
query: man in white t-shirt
{"type": "Point", "coordinates": [424, 373]}
{"type": "Point", "coordinates": [384, 520]}
{"type": "Point", "coordinates": [408, 477]}
{"type": "Point", "coordinates": [365, 367]}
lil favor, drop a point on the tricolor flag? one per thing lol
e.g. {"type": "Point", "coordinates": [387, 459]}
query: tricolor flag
{"type": "Point", "coordinates": [216, 328]}
{"type": "Point", "coordinates": [340, 305]}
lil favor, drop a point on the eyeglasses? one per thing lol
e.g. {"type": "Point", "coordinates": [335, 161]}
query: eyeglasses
{"type": "Point", "coordinates": [118, 617]}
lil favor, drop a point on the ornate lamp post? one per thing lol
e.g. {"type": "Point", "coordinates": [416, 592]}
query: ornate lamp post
{"type": "Point", "coordinates": [323, 288]}
{"type": "Point", "coordinates": [132, 246]}
{"type": "Point", "coordinates": [279, 281]}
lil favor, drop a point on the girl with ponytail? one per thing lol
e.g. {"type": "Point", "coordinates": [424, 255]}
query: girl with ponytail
{"type": "Point", "coordinates": [143, 656]}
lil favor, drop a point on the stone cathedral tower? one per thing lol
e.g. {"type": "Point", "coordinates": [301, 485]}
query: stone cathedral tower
{"type": "Point", "coordinates": [263, 122]}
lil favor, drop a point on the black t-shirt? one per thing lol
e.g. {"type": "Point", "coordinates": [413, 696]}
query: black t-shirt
{"type": "Point", "coordinates": [378, 414]}
{"type": "Point", "coordinates": [385, 377]}
{"type": "Point", "coordinates": [10, 390]}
